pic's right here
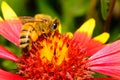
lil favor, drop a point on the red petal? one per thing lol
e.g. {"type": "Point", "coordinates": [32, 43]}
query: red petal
{"type": "Point", "coordinates": [85, 41]}
{"type": "Point", "coordinates": [4, 53]}
{"type": "Point", "coordinates": [107, 60]}
{"type": "Point", "coordinates": [11, 30]}
{"type": "Point", "coordinates": [81, 38]}
{"type": "Point", "coordinates": [9, 76]}
{"type": "Point", "coordinates": [93, 46]}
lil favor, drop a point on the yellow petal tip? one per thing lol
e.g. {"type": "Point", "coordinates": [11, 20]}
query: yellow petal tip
{"type": "Point", "coordinates": [60, 28]}
{"type": "Point", "coordinates": [102, 37]}
{"type": "Point", "coordinates": [8, 12]}
{"type": "Point", "coordinates": [1, 19]}
{"type": "Point", "coordinates": [88, 27]}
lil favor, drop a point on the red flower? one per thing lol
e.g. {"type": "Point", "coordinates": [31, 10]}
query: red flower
{"type": "Point", "coordinates": [64, 56]}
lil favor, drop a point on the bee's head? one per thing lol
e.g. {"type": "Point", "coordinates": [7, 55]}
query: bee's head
{"type": "Point", "coordinates": [46, 23]}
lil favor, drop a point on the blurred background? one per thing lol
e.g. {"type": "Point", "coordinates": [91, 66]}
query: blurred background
{"type": "Point", "coordinates": [72, 14]}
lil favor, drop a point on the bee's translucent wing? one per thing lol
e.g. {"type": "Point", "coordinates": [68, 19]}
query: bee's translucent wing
{"type": "Point", "coordinates": [26, 19]}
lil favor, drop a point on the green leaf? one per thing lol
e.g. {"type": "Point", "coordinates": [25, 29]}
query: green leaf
{"type": "Point", "coordinates": [98, 75]}
{"type": "Point", "coordinates": [115, 33]}
{"type": "Point", "coordinates": [105, 7]}
{"type": "Point", "coordinates": [9, 65]}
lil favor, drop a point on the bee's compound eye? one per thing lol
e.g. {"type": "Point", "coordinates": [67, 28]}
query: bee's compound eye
{"type": "Point", "coordinates": [54, 26]}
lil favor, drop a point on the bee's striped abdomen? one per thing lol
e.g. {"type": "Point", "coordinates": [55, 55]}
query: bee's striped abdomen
{"type": "Point", "coordinates": [24, 41]}
{"type": "Point", "coordinates": [25, 37]}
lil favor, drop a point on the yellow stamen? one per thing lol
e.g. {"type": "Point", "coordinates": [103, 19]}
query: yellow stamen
{"type": "Point", "coordinates": [46, 52]}
{"type": "Point", "coordinates": [88, 27]}
{"type": "Point", "coordinates": [7, 11]}
{"type": "Point", "coordinates": [102, 37]}
{"type": "Point", "coordinates": [69, 34]}
{"type": "Point", "coordinates": [54, 51]}
{"type": "Point", "coordinates": [61, 53]}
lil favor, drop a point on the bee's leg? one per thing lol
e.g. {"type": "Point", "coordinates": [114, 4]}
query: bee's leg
{"type": "Point", "coordinates": [25, 50]}
{"type": "Point", "coordinates": [34, 35]}
{"type": "Point", "coordinates": [45, 35]}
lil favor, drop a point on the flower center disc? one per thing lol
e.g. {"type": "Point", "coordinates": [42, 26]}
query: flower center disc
{"type": "Point", "coordinates": [53, 58]}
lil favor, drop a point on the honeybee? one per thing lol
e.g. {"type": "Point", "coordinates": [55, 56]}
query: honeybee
{"type": "Point", "coordinates": [32, 28]}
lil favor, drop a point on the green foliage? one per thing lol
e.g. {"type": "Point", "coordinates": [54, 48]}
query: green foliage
{"type": "Point", "coordinates": [98, 75]}
{"type": "Point", "coordinates": [72, 9]}
{"type": "Point", "coordinates": [105, 5]}
{"type": "Point", "coordinates": [19, 6]}
{"type": "Point", "coordinates": [9, 65]}
{"type": "Point", "coordinates": [46, 8]}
